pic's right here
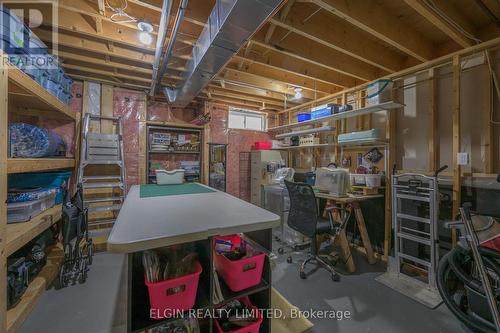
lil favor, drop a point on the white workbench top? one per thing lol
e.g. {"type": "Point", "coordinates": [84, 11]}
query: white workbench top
{"type": "Point", "coordinates": [146, 223]}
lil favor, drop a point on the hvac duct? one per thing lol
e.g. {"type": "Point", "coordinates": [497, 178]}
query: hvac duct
{"type": "Point", "coordinates": [230, 25]}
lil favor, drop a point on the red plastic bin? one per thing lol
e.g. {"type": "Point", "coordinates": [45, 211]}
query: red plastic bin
{"type": "Point", "coordinates": [179, 294]}
{"type": "Point", "coordinates": [252, 328]}
{"type": "Point", "coordinates": [239, 274]}
{"type": "Point", "coordinates": [262, 145]}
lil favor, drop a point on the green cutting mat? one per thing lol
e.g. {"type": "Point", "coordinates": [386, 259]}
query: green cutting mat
{"type": "Point", "coordinates": [153, 190]}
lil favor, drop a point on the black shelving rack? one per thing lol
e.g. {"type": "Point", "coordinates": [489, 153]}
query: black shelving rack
{"type": "Point", "coordinates": [260, 295]}
{"type": "Point", "coordinates": [162, 154]}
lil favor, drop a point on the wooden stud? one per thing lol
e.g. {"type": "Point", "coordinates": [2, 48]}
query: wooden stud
{"type": "Point", "coordinates": [143, 117]}
{"type": "Point", "coordinates": [487, 136]}
{"type": "Point", "coordinates": [391, 137]}
{"type": "Point", "coordinates": [456, 137]}
{"type": "Point", "coordinates": [107, 109]}
{"type": "Point", "coordinates": [3, 192]}
{"type": "Point", "coordinates": [434, 153]}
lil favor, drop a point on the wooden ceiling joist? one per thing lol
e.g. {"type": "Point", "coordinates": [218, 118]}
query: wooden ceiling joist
{"type": "Point", "coordinates": [377, 21]}
{"type": "Point", "coordinates": [314, 69]}
{"type": "Point", "coordinates": [331, 32]}
{"type": "Point", "coordinates": [282, 16]}
{"type": "Point", "coordinates": [72, 57]}
{"type": "Point", "coordinates": [256, 93]}
{"type": "Point", "coordinates": [321, 54]}
{"type": "Point", "coordinates": [249, 79]}
{"type": "Point", "coordinates": [284, 75]}
{"type": "Point", "coordinates": [432, 16]}
{"type": "Point", "coordinates": [226, 94]}
{"type": "Point", "coordinates": [244, 104]}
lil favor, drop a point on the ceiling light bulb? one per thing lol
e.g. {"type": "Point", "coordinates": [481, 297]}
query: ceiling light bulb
{"type": "Point", "coordinates": [145, 38]}
{"type": "Point", "coordinates": [145, 26]}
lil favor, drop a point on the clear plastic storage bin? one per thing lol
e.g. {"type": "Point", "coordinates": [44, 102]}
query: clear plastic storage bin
{"type": "Point", "coordinates": [25, 211]}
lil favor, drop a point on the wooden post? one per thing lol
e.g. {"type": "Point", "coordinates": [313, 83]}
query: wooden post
{"type": "Point", "coordinates": [4, 82]}
{"type": "Point", "coordinates": [391, 137]}
{"type": "Point", "coordinates": [204, 168]}
{"type": "Point", "coordinates": [107, 108]}
{"type": "Point", "coordinates": [434, 154]}
{"type": "Point", "coordinates": [488, 135]}
{"type": "Point", "coordinates": [457, 180]}
{"type": "Point", "coordinates": [143, 117]}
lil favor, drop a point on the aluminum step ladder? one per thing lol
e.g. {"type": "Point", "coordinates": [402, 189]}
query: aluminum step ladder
{"type": "Point", "coordinates": [102, 170]}
{"type": "Point", "coordinates": [415, 218]}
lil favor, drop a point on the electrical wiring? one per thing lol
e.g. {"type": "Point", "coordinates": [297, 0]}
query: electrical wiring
{"type": "Point", "coordinates": [496, 85]}
{"type": "Point", "coordinates": [119, 12]}
{"type": "Point", "coordinates": [438, 11]}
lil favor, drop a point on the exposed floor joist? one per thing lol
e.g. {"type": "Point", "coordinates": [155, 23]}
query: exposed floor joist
{"type": "Point", "coordinates": [377, 21]}
{"type": "Point", "coordinates": [432, 16]}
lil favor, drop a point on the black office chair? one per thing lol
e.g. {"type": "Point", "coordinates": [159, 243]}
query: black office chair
{"type": "Point", "coordinates": [304, 218]}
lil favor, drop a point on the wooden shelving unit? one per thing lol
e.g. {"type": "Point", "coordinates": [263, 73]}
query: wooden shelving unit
{"type": "Point", "coordinates": [319, 145]}
{"type": "Point", "coordinates": [18, 234]}
{"type": "Point", "coordinates": [343, 115]}
{"type": "Point", "coordinates": [21, 165]}
{"type": "Point", "coordinates": [20, 312]}
{"type": "Point", "coordinates": [21, 95]}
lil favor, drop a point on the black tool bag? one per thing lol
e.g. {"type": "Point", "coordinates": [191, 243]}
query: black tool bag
{"type": "Point", "coordinates": [24, 265]}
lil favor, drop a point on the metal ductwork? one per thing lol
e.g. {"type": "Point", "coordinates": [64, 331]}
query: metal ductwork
{"type": "Point", "coordinates": [230, 25]}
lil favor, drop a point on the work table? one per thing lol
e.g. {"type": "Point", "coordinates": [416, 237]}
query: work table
{"type": "Point", "coordinates": [158, 221]}
{"type": "Point", "coordinates": [146, 223]}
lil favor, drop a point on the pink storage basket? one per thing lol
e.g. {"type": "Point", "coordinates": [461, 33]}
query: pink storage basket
{"type": "Point", "coordinates": [239, 274]}
{"type": "Point", "coordinates": [172, 295]}
{"type": "Point", "coordinates": [252, 328]}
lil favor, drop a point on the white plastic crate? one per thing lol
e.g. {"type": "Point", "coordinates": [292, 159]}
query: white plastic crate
{"type": "Point", "coordinates": [164, 177]}
{"type": "Point", "coordinates": [379, 92]}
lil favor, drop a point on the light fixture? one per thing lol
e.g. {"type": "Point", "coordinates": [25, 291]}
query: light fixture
{"type": "Point", "coordinates": [298, 93]}
{"type": "Point", "coordinates": [145, 26]}
{"type": "Point", "coordinates": [145, 38]}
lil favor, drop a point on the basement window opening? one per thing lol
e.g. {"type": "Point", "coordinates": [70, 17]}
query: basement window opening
{"type": "Point", "coordinates": [247, 120]}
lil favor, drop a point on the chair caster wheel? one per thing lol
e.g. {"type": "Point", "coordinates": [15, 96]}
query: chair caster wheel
{"type": "Point", "coordinates": [303, 275]}
{"type": "Point", "coordinates": [289, 260]}
{"type": "Point", "coordinates": [335, 277]}
{"type": "Point", "coordinates": [280, 250]}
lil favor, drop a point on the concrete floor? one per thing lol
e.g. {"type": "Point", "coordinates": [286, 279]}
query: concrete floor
{"type": "Point", "coordinates": [99, 306]}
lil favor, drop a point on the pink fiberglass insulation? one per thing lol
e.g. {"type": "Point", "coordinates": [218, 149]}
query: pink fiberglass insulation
{"type": "Point", "coordinates": [158, 111]}
{"type": "Point", "coordinates": [131, 106]}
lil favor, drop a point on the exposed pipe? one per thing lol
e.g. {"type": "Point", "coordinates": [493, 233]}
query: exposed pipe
{"type": "Point", "coordinates": [171, 42]}
{"type": "Point", "coordinates": [160, 41]}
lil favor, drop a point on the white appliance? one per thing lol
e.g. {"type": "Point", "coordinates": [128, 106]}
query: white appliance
{"type": "Point", "coordinates": [334, 181]}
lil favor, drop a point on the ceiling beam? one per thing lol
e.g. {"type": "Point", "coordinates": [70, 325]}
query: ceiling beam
{"type": "Point", "coordinates": [305, 49]}
{"type": "Point", "coordinates": [433, 17]}
{"type": "Point", "coordinates": [260, 93]}
{"type": "Point", "coordinates": [283, 14]}
{"type": "Point", "coordinates": [68, 55]}
{"type": "Point", "coordinates": [333, 33]}
{"type": "Point", "coordinates": [377, 21]}
{"type": "Point", "coordinates": [85, 77]}
{"type": "Point", "coordinates": [249, 79]}
{"type": "Point", "coordinates": [299, 63]}
{"type": "Point", "coordinates": [97, 46]}
{"type": "Point", "coordinates": [217, 91]}
{"type": "Point", "coordinates": [240, 103]}
{"type": "Point", "coordinates": [283, 75]}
